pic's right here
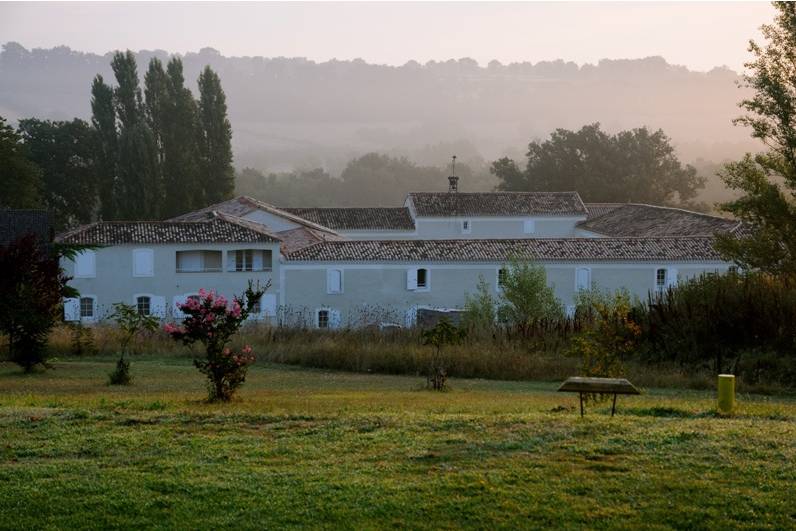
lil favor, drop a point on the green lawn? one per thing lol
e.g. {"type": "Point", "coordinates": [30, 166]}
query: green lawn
{"type": "Point", "coordinates": [305, 448]}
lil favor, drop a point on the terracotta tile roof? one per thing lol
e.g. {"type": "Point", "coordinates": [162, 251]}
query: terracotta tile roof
{"type": "Point", "coordinates": [365, 218]}
{"type": "Point", "coordinates": [301, 237]}
{"type": "Point", "coordinates": [598, 209]}
{"type": "Point", "coordinates": [642, 221]}
{"type": "Point", "coordinates": [243, 205]}
{"type": "Point", "coordinates": [446, 204]}
{"type": "Point", "coordinates": [564, 249]}
{"type": "Point", "coordinates": [17, 223]}
{"type": "Point", "coordinates": [216, 228]}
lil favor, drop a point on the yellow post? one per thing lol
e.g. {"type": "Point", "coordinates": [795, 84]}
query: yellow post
{"type": "Point", "coordinates": [726, 393]}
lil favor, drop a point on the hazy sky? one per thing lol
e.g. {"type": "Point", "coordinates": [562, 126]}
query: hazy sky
{"type": "Point", "coordinates": [700, 35]}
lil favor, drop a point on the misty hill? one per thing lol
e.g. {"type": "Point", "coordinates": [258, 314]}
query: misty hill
{"type": "Point", "coordinates": [293, 112]}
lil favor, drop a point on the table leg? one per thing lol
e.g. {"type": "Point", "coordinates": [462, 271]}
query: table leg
{"type": "Point", "coordinates": [581, 404]}
{"type": "Point", "coordinates": [613, 407]}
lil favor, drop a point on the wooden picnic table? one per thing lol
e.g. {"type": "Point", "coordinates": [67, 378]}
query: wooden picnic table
{"type": "Point", "coordinates": [589, 385]}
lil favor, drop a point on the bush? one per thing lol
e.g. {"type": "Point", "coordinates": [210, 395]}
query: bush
{"type": "Point", "coordinates": [712, 321]}
{"type": "Point", "coordinates": [121, 374]}
{"type": "Point", "coordinates": [211, 322]}
{"type": "Point", "coordinates": [610, 336]}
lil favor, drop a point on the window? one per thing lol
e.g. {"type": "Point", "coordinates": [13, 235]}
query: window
{"type": "Point", "coordinates": [86, 264]}
{"type": "Point", "coordinates": [86, 307]}
{"type": "Point", "coordinates": [334, 281]}
{"type": "Point", "coordinates": [733, 270]}
{"type": "Point", "coordinates": [418, 279]}
{"type": "Point", "coordinates": [323, 318]}
{"type": "Point", "coordinates": [249, 260]}
{"type": "Point", "coordinates": [529, 226]}
{"type": "Point", "coordinates": [257, 306]}
{"type": "Point", "coordinates": [660, 279]}
{"type": "Point", "coordinates": [582, 278]}
{"type": "Point", "coordinates": [143, 263]}
{"type": "Point", "coordinates": [502, 276]}
{"type": "Point", "coordinates": [466, 226]}
{"type": "Point", "coordinates": [244, 260]}
{"type": "Point", "coordinates": [422, 278]}
{"type": "Point", "coordinates": [144, 305]}
{"type": "Point", "coordinates": [198, 261]}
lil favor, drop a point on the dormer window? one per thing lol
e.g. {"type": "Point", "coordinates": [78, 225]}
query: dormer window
{"type": "Point", "coordinates": [466, 226]}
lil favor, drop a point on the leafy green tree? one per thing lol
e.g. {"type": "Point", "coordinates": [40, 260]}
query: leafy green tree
{"type": "Point", "coordinates": [631, 166]}
{"type": "Point", "coordinates": [66, 154]}
{"type": "Point", "coordinates": [480, 310]}
{"type": "Point", "coordinates": [32, 288]}
{"type": "Point", "coordinates": [20, 178]}
{"type": "Point", "coordinates": [138, 173]}
{"type": "Point", "coordinates": [215, 139]}
{"type": "Point", "coordinates": [768, 180]}
{"type": "Point", "coordinates": [444, 333]}
{"type": "Point", "coordinates": [132, 323]}
{"type": "Point", "coordinates": [103, 118]}
{"type": "Point", "coordinates": [525, 296]}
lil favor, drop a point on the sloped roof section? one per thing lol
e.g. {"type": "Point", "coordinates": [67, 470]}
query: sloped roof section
{"type": "Point", "coordinates": [301, 237]}
{"type": "Point", "coordinates": [365, 218]}
{"type": "Point", "coordinates": [594, 210]}
{"type": "Point", "coordinates": [17, 223]}
{"type": "Point", "coordinates": [647, 221]}
{"type": "Point", "coordinates": [447, 204]}
{"type": "Point", "coordinates": [563, 249]}
{"type": "Point", "coordinates": [216, 228]}
{"type": "Point", "coordinates": [243, 205]}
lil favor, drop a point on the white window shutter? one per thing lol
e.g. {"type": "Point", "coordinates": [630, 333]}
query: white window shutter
{"type": "Point", "coordinates": [157, 306]}
{"type": "Point", "coordinates": [528, 226]}
{"type": "Point", "coordinates": [268, 305]}
{"type": "Point", "coordinates": [71, 309]}
{"type": "Point", "coordinates": [86, 264]}
{"type": "Point", "coordinates": [334, 319]}
{"type": "Point", "coordinates": [671, 277]}
{"type": "Point", "coordinates": [257, 260]}
{"type": "Point", "coordinates": [334, 281]}
{"type": "Point", "coordinates": [143, 263]}
{"type": "Point", "coordinates": [583, 278]}
{"type": "Point", "coordinates": [411, 279]}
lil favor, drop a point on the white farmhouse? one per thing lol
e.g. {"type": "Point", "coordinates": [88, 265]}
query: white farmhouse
{"type": "Point", "coordinates": [332, 267]}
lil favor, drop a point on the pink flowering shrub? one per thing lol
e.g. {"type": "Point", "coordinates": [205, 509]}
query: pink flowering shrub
{"type": "Point", "coordinates": [212, 320]}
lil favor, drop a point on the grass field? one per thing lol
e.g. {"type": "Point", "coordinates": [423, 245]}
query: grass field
{"type": "Point", "coordinates": [309, 448]}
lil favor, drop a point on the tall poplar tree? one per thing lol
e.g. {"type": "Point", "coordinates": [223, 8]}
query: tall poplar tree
{"type": "Point", "coordinates": [215, 144]}
{"type": "Point", "coordinates": [139, 175]}
{"type": "Point", "coordinates": [184, 188]}
{"type": "Point", "coordinates": [103, 118]}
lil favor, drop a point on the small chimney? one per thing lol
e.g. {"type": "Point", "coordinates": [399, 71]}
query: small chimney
{"type": "Point", "coordinates": [453, 181]}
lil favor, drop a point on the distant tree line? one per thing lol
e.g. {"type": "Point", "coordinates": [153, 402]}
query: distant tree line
{"type": "Point", "coordinates": [145, 155]}
{"type": "Point", "coordinates": [373, 179]}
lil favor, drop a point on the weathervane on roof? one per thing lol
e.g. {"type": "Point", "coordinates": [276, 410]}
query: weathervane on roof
{"type": "Point", "coordinates": [453, 181]}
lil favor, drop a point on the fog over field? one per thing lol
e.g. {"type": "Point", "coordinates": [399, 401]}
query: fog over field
{"type": "Point", "coordinates": [293, 112]}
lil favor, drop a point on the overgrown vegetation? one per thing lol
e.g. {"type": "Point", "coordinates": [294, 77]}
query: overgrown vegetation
{"type": "Point", "coordinates": [744, 324]}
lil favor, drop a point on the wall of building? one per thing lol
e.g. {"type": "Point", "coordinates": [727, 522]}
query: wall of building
{"type": "Point", "coordinates": [114, 281]}
{"type": "Point", "coordinates": [377, 293]}
{"type": "Point", "coordinates": [498, 228]}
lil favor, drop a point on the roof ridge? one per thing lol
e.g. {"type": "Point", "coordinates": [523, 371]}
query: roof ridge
{"type": "Point", "coordinates": [679, 209]}
{"type": "Point", "coordinates": [278, 211]}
